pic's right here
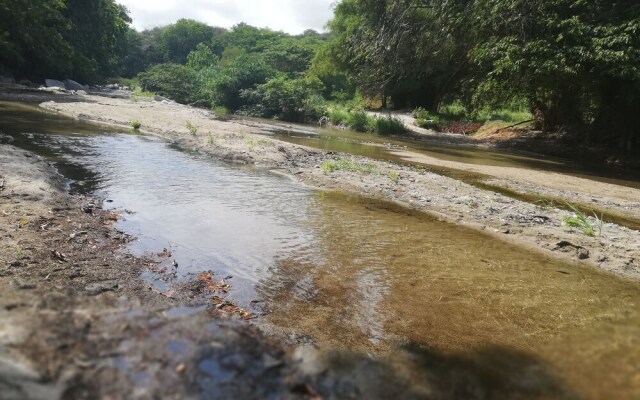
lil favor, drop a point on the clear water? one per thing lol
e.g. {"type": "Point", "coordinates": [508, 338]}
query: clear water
{"type": "Point", "coordinates": [424, 302]}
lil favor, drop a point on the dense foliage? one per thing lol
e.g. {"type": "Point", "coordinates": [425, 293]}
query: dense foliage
{"type": "Point", "coordinates": [576, 63]}
{"type": "Point", "coordinates": [80, 39]}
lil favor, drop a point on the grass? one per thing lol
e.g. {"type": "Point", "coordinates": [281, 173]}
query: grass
{"type": "Point", "coordinates": [390, 126]}
{"type": "Point", "coordinates": [221, 110]}
{"type": "Point", "coordinates": [456, 118]}
{"type": "Point", "coordinates": [210, 140]}
{"type": "Point", "coordinates": [580, 220]}
{"type": "Point", "coordinates": [360, 121]}
{"type": "Point", "coordinates": [259, 142]}
{"type": "Point", "coordinates": [193, 129]}
{"type": "Point", "coordinates": [393, 175]}
{"type": "Point", "coordinates": [135, 125]}
{"type": "Point", "coordinates": [349, 164]}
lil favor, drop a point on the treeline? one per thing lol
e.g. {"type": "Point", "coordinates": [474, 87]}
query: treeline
{"type": "Point", "coordinates": [83, 40]}
{"type": "Point", "coordinates": [575, 64]}
{"type": "Point", "coordinates": [246, 70]}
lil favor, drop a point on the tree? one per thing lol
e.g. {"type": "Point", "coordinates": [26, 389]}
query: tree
{"type": "Point", "coordinates": [84, 40]}
{"type": "Point", "coordinates": [295, 100]}
{"type": "Point", "coordinates": [174, 81]}
{"type": "Point", "coordinates": [98, 36]}
{"type": "Point", "coordinates": [247, 72]}
{"type": "Point", "coordinates": [577, 62]}
{"type": "Point", "coordinates": [32, 41]}
{"type": "Point", "coordinates": [413, 51]}
{"type": "Point", "coordinates": [181, 38]}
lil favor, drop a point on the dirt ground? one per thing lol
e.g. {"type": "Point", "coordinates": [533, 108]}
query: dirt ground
{"type": "Point", "coordinates": [531, 225]}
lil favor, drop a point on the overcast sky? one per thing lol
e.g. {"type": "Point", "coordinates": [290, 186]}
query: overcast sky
{"type": "Point", "coordinates": [292, 16]}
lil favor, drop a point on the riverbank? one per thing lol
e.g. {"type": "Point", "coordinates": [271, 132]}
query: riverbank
{"type": "Point", "coordinates": [77, 321]}
{"type": "Point", "coordinates": [536, 226]}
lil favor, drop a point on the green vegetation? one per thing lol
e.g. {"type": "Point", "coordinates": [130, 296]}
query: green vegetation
{"type": "Point", "coordinates": [85, 40]}
{"type": "Point", "coordinates": [567, 66]}
{"type": "Point", "coordinates": [135, 125]}
{"type": "Point", "coordinates": [574, 66]}
{"type": "Point", "coordinates": [259, 142]}
{"type": "Point", "coordinates": [393, 175]}
{"type": "Point", "coordinates": [193, 130]}
{"type": "Point", "coordinates": [580, 220]}
{"type": "Point", "coordinates": [349, 164]}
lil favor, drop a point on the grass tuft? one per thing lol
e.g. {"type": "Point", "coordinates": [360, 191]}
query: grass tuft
{"type": "Point", "coordinates": [580, 220]}
{"type": "Point", "coordinates": [348, 164]}
{"type": "Point", "coordinates": [193, 129]}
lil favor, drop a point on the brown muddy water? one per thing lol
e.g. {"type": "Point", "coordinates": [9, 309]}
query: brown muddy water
{"type": "Point", "coordinates": [447, 311]}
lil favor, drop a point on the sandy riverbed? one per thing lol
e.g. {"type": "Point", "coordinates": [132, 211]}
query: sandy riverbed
{"type": "Point", "coordinates": [523, 223]}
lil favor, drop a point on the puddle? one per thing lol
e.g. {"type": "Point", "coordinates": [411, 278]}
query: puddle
{"type": "Point", "coordinates": [416, 296]}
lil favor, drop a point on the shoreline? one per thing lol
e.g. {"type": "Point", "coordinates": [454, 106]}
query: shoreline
{"type": "Point", "coordinates": [518, 222]}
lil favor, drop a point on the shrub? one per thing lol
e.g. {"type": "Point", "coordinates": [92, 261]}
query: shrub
{"type": "Point", "coordinates": [359, 121]}
{"type": "Point", "coordinates": [174, 81]}
{"type": "Point", "coordinates": [135, 125]}
{"type": "Point", "coordinates": [338, 116]}
{"type": "Point", "coordinates": [389, 126]}
{"type": "Point", "coordinates": [192, 128]}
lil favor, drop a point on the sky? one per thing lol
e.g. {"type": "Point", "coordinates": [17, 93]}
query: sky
{"type": "Point", "coordinates": [291, 16]}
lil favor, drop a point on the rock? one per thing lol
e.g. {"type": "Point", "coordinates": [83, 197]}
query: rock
{"type": "Point", "coordinates": [95, 289]}
{"type": "Point", "coordinates": [73, 85]}
{"type": "Point", "coordinates": [52, 83]}
{"type": "Point", "coordinates": [582, 253]}
{"type": "Point", "coordinates": [24, 285]}
{"type": "Point", "coordinates": [88, 208]}
{"type": "Point", "coordinates": [6, 139]}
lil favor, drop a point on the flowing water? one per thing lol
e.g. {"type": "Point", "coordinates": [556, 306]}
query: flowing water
{"type": "Point", "coordinates": [448, 311]}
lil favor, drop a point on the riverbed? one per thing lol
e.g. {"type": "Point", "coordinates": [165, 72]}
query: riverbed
{"type": "Point", "coordinates": [407, 293]}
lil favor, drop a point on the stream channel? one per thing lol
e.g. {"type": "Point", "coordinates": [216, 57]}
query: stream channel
{"type": "Point", "coordinates": [358, 277]}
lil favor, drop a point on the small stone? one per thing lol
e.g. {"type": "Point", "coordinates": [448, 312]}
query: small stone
{"type": "Point", "coordinates": [24, 285]}
{"type": "Point", "coordinates": [181, 368]}
{"type": "Point", "coordinates": [583, 253]}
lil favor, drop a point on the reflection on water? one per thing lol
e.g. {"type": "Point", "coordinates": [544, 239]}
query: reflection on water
{"type": "Point", "coordinates": [446, 311]}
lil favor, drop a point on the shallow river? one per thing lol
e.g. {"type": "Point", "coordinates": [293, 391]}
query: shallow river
{"type": "Point", "coordinates": [425, 301]}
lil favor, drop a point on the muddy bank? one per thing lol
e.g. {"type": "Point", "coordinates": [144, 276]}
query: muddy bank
{"type": "Point", "coordinates": [77, 321]}
{"type": "Point", "coordinates": [535, 226]}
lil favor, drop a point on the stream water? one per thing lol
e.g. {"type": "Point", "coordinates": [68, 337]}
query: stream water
{"type": "Point", "coordinates": [427, 302]}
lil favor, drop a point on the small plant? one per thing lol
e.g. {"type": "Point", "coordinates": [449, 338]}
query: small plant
{"type": "Point", "coordinates": [360, 121]}
{"type": "Point", "coordinates": [135, 125]}
{"type": "Point", "coordinates": [259, 142]}
{"type": "Point", "coordinates": [20, 253]}
{"type": "Point", "coordinates": [390, 126]}
{"type": "Point", "coordinates": [192, 128]}
{"type": "Point", "coordinates": [210, 140]}
{"type": "Point", "coordinates": [348, 164]}
{"type": "Point", "coordinates": [580, 220]}
{"type": "Point", "coordinates": [221, 110]}
{"type": "Point", "coordinates": [393, 175]}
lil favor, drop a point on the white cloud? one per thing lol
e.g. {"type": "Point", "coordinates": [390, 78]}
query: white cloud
{"type": "Point", "coordinates": [292, 16]}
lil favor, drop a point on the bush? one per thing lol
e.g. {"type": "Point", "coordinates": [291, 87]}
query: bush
{"type": "Point", "coordinates": [360, 121]}
{"type": "Point", "coordinates": [389, 126]}
{"type": "Point", "coordinates": [135, 125]}
{"type": "Point", "coordinates": [338, 116]}
{"type": "Point", "coordinates": [295, 100]}
{"type": "Point", "coordinates": [174, 81]}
